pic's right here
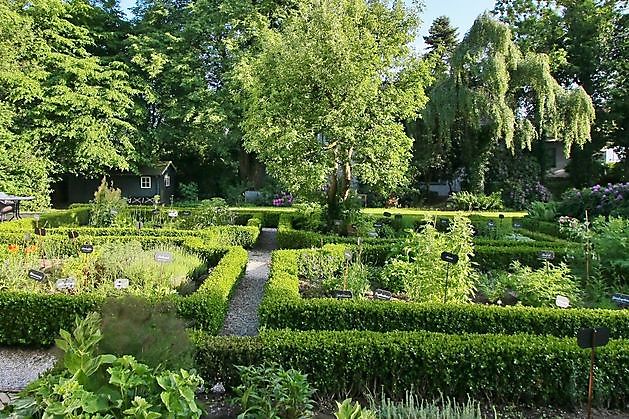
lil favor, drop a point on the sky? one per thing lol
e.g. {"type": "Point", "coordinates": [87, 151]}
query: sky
{"type": "Point", "coordinates": [461, 13]}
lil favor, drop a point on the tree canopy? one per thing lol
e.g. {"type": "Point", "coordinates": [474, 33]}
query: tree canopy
{"type": "Point", "coordinates": [495, 93]}
{"type": "Point", "coordinates": [327, 93]}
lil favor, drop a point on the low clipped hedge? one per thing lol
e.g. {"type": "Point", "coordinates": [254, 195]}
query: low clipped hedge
{"type": "Point", "coordinates": [543, 370]}
{"type": "Point", "coordinates": [544, 227]}
{"type": "Point", "coordinates": [244, 236]}
{"type": "Point", "coordinates": [78, 216]}
{"type": "Point", "coordinates": [28, 319]}
{"type": "Point", "coordinates": [283, 307]}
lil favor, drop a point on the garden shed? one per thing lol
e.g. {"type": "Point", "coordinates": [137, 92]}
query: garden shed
{"type": "Point", "coordinates": [138, 188]}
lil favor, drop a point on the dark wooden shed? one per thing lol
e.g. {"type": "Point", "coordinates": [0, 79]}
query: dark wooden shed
{"type": "Point", "coordinates": [138, 188]}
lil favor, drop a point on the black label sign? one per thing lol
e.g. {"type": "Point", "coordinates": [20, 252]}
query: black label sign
{"type": "Point", "coordinates": [73, 234]}
{"type": "Point", "coordinates": [36, 275]}
{"type": "Point", "coordinates": [343, 294]}
{"type": "Point", "coordinates": [444, 221]}
{"type": "Point", "coordinates": [546, 255]}
{"type": "Point", "coordinates": [87, 248]}
{"type": "Point", "coordinates": [621, 299]}
{"type": "Point", "coordinates": [386, 214]}
{"type": "Point", "coordinates": [501, 216]}
{"type": "Point", "coordinates": [449, 257]}
{"type": "Point", "coordinates": [382, 295]}
{"type": "Point", "coordinates": [40, 231]}
{"type": "Point", "coordinates": [590, 337]}
{"type": "Point", "coordinates": [186, 213]}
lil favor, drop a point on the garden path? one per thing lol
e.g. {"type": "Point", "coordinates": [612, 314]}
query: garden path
{"type": "Point", "coordinates": [242, 315]}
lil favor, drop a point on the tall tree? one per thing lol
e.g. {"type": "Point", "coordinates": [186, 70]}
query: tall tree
{"type": "Point", "coordinates": [441, 39]}
{"type": "Point", "coordinates": [69, 107]}
{"type": "Point", "coordinates": [495, 94]}
{"type": "Point", "coordinates": [327, 93]}
{"type": "Point", "coordinates": [587, 43]}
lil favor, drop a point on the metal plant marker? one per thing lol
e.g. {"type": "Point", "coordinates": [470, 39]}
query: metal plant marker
{"type": "Point", "coordinates": [591, 338]}
{"type": "Point", "coordinates": [450, 259]}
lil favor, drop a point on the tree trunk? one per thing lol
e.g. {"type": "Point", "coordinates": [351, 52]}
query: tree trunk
{"type": "Point", "coordinates": [347, 176]}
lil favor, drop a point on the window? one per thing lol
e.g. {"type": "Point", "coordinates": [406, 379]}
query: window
{"type": "Point", "coordinates": [145, 182]}
{"type": "Point", "coordinates": [167, 181]}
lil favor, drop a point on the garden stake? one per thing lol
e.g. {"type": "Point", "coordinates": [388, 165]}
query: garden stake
{"type": "Point", "coordinates": [587, 248]}
{"type": "Point", "coordinates": [445, 291]}
{"type": "Point", "coordinates": [591, 381]}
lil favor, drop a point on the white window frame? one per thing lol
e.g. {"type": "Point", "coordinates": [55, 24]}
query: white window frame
{"type": "Point", "coordinates": [167, 180]}
{"type": "Point", "coordinates": [144, 185]}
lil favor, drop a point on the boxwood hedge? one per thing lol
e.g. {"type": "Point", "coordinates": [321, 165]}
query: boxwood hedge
{"type": "Point", "coordinates": [283, 307]}
{"type": "Point", "coordinates": [35, 319]}
{"type": "Point", "coordinates": [514, 369]}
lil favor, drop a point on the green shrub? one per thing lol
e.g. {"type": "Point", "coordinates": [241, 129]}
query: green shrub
{"type": "Point", "coordinates": [151, 333]}
{"type": "Point", "coordinates": [543, 211]}
{"type": "Point", "coordinates": [467, 201]}
{"type": "Point", "coordinates": [491, 258]}
{"type": "Point", "coordinates": [424, 278]}
{"type": "Point", "coordinates": [514, 369]}
{"type": "Point", "coordinates": [108, 206]}
{"type": "Point", "coordinates": [347, 410]}
{"type": "Point", "coordinates": [92, 385]}
{"type": "Point", "coordinates": [537, 288]}
{"type": "Point", "coordinates": [307, 217]}
{"type": "Point", "coordinates": [611, 244]}
{"type": "Point", "coordinates": [271, 392]}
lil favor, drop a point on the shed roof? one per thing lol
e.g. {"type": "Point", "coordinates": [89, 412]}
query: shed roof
{"type": "Point", "coordinates": [157, 169]}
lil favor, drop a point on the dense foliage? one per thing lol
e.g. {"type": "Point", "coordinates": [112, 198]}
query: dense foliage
{"type": "Point", "coordinates": [104, 385]}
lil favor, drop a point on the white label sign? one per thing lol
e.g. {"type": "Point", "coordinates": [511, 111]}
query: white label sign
{"type": "Point", "coordinates": [163, 257]}
{"type": "Point", "coordinates": [66, 284]}
{"type": "Point", "coordinates": [121, 283]}
{"type": "Point", "coordinates": [562, 301]}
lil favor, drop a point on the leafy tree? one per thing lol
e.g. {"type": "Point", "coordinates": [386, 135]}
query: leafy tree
{"type": "Point", "coordinates": [587, 43]}
{"type": "Point", "coordinates": [326, 95]}
{"type": "Point", "coordinates": [495, 94]}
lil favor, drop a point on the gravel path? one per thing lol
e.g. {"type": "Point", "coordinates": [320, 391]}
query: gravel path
{"type": "Point", "coordinates": [242, 315]}
{"type": "Point", "coordinates": [18, 367]}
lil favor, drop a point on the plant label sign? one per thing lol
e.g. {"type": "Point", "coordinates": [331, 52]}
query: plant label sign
{"type": "Point", "coordinates": [517, 225]}
{"type": "Point", "coordinates": [73, 234]}
{"type": "Point", "coordinates": [66, 284]}
{"type": "Point", "coordinates": [87, 248]}
{"type": "Point", "coordinates": [562, 302]}
{"type": "Point", "coordinates": [546, 255]}
{"type": "Point", "coordinates": [121, 283]}
{"type": "Point", "coordinates": [36, 275]}
{"type": "Point", "coordinates": [621, 299]}
{"type": "Point", "coordinates": [343, 294]}
{"type": "Point", "coordinates": [449, 257]}
{"type": "Point", "coordinates": [501, 216]}
{"type": "Point", "coordinates": [386, 214]}
{"type": "Point", "coordinates": [173, 214]}
{"type": "Point", "coordinates": [593, 337]}
{"type": "Point", "coordinates": [40, 231]}
{"type": "Point", "coordinates": [36, 217]}
{"type": "Point", "coordinates": [378, 225]}
{"type": "Point", "coordinates": [382, 295]}
{"type": "Point", "coordinates": [163, 257]}
{"type": "Point", "coordinates": [186, 213]}
{"type": "Point", "coordinates": [444, 222]}
{"type": "Point", "coordinates": [372, 234]}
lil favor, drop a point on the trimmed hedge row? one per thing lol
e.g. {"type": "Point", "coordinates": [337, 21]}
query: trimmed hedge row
{"type": "Point", "coordinates": [28, 319]}
{"type": "Point", "coordinates": [283, 307]}
{"type": "Point", "coordinates": [244, 236]}
{"type": "Point", "coordinates": [514, 369]}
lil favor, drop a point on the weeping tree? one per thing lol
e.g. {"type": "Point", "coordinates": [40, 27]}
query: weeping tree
{"type": "Point", "coordinates": [327, 94]}
{"type": "Point", "coordinates": [495, 94]}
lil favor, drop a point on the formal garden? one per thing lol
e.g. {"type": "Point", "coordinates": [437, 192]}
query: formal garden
{"type": "Point", "coordinates": [277, 209]}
